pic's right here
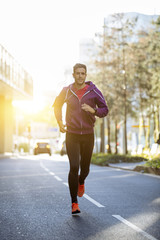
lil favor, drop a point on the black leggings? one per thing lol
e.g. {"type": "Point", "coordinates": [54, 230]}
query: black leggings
{"type": "Point", "coordinates": [79, 151]}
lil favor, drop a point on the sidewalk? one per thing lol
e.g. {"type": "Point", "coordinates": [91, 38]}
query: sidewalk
{"type": "Point", "coordinates": [138, 167]}
{"type": "Point", "coordinates": [6, 155]}
{"type": "Point", "coordinates": [126, 166]}
{"type": "Point", "coordinates": [12, 154]}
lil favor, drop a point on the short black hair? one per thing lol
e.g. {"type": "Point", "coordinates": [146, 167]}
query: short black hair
{"type": "Point", "coordinates": [79, 65]}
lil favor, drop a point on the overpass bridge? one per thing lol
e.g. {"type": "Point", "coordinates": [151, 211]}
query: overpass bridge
{"type": "Point", "coordinates": [15, 84]}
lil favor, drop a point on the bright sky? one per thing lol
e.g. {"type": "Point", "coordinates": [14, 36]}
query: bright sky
{"type": "Point", "coordinates": [44, 35]}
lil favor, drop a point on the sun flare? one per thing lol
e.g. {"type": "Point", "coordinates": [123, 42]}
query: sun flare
{"type": "Point", "coordinates": [29, 107]}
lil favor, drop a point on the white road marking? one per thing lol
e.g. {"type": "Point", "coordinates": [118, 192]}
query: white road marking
{"type": "Point", "coordinates": [56, 177]}
{"type": "Point", "coordinates": [46, 169]}
{"type": "Point", "coordinates": [41, 164]}
{"type": "Point", "coordinates": [134, 227]}
{"type": "Point", "coordinates": [65, 183]}
{"type": "Point", "coordinates": [88, 198]}
{"type": "Point", "coordinates": [93, 201]}
{"type": "Point", "coordinates": [51, 173]}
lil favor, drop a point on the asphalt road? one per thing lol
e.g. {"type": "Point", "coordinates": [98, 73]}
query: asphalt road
{"type": "Point", "coordinates": [35, 202]}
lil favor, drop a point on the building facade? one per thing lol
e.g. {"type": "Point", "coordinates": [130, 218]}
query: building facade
{"type": "Point", "coordinates": [15, 83]}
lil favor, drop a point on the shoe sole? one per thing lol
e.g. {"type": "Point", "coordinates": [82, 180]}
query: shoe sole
{"type": "Point", "coordinates": [76, 212]}
{"type": "Point", "coordinates": [80, 195]}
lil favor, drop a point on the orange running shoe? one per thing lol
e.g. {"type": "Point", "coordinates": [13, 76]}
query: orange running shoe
{"type": "Point", "coordinates": [75, 208]}
{"type": "Point", "coordinates": [80, 190]}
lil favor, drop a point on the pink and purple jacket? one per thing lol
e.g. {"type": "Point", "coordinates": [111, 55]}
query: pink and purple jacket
{"type": "Point", "coordinates": [77, 120]}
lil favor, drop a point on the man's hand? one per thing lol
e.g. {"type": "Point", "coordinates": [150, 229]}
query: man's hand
{"type": "Point", "coordinates": [62, 127]}
{"type": "Point", "coordinates": [88, 108]}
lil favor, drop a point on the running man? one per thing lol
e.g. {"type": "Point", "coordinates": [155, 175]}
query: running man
{"type": "Point", "coordinates": [84, 102]}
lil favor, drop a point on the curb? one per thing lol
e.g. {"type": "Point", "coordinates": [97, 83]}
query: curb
{"type": "Point", "coordinates": [141, 169]}
{"type": "Point", "coordinates": [149, 170]}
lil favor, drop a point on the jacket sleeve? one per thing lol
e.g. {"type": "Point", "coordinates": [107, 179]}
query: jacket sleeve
{"type": "Point", "coordinates": [58, 104]}
{"type": "Point", "coordinates": [102, 109]}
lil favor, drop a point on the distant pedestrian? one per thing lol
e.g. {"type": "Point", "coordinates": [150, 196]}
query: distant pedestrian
{"type": "Point", "coordinates": [84, 102]}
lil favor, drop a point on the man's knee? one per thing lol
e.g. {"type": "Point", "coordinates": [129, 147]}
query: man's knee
{"type": "Point", "coordinates": [74, 170]}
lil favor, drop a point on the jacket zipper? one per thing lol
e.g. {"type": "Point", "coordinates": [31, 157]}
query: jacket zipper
{"type": "Point", "coordinates": [81, 99]}
{"type": "Point", "coordinates": [79, 107]}
{"type": "Point", "coordinates": [80, 104]}
{"type": "Point", "coordinates": [86, 93]}
{"type": "Point", "coordinates": [81, 111]}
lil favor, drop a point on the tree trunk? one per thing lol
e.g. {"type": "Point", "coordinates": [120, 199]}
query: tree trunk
{"type": "Point", "coordinates": [158, 118]}
{"type": "Point", "coordinates": [103, 136]}
{"type": "Point", "coordinates": [147, 139]}
{"type": "Point", "coordinates": [116, 150]}
{"type": "Point", "coordinates": [125, 103]}
{"type": "Point", "coordinates": [125, 131]}
{"type": "Point", "coordinates": [143, 125]}
{"type": "Point", "coordinates": [109, 132]}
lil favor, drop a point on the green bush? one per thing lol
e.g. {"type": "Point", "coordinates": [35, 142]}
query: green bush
{"type": "Point", "coordinates": [104, 159]}
{"type": "Point", "coordinates": [24, 146]}
{"type": "Point", "coordinates": [154, 163]}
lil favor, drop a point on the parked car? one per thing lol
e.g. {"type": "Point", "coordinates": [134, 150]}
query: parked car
{"type": "Point", "coordinates": [42, 147]}
{"type": "Point", "coordinates": [63, 149]}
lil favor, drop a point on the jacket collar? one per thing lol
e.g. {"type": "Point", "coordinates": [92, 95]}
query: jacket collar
{"type": "Point", "coordinates": [91, 86]}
